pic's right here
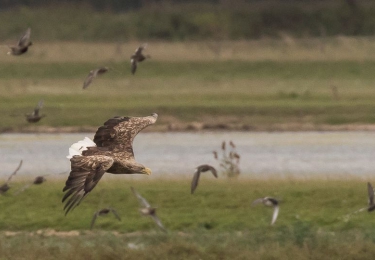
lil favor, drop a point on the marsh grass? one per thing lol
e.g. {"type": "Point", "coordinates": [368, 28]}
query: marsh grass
{"type": "Point", "coordinates": [217, 222]}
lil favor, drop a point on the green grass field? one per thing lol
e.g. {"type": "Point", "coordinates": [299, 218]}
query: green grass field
{"type": "Point", "coordinates": [260, 85]}
{"type": "Point", "coordinates": [217, 222]}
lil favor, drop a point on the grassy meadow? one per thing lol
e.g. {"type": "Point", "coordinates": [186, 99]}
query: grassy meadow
{"type": "Point", "coordinates": [217, 222]}
{"type": "Point", "coordinates": [285, 84]}
{"type": "Point", "coordinates": [258, 85]}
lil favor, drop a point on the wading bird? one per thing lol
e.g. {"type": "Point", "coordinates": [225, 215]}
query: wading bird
{"type": "Point", "coordinates": [270, 202]}
{"type": "Point", "coordinates": [22, 45]}
{"type": "Point", "coordinates": [138, 57]}
{"type": "Point", "coordinates": [103, 212]}
{"type": "Point", "coordinates": [197, 174]}
{"type": "Point", "coordinates": [147, 210]}
{"type": "Point", "coordinates": [93, 74]}
{"type": "Point", "coordinates": [34, 116]}
{"type": "Point", "coordinates": [111, 151]}
{"type": "Point", "coordinates": [5, 187]}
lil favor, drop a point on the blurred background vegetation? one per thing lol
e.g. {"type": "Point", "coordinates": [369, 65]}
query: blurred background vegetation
{"type": "Point", "coordinates": [176, 20]}
{"type": "Point", "coordinates": [232, 65]}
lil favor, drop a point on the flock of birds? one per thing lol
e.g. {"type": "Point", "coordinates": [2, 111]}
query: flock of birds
{"type": "Point", "coordinates": [111, 151]}
{"type": "Point", "coordinates": [23, 45]}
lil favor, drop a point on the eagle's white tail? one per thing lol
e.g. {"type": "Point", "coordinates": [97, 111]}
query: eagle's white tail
{"type": "Point", "coordinates": [79, 147]}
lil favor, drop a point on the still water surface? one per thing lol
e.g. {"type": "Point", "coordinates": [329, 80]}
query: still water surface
{"type": "Point", "coordinates": [276, 153]}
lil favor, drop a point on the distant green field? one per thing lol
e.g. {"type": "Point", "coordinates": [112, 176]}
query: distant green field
{"type": "Point", "coordinates": [260, 93]}
{"type": "Point", "coordinates": [217, 222]}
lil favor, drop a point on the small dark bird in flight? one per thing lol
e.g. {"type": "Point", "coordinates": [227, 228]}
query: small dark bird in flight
{"type": "Point", "coordinates": [147, 210]}
{"type": "Point", "coordinates": [35, 116]}
{"type": "Point", "coordinates": [5, 187]}
{"type": "Point", "coordinates": [138, 57]}
{"type": "Point", "coordinates": [93, 74]}
{"type": "Point", "coordinates": [269, 202]}
{"type": "Point", "coordinates": [197, 174]}
{"type": "Point", "coordinates": [37, 181]}
{"type": "Point", "coordinates": [103, 212]}
{"type": "Point", "coordinates": [111, 151]}
{"type": "Point", "coordinates": [22, 45]}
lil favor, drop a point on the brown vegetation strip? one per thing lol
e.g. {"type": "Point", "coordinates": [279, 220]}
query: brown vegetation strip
{"type": "Point", "coordinates": [198, 126]}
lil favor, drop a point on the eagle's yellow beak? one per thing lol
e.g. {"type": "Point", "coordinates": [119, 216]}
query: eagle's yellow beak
{"type": "Point", "coordinates": [147, 171]}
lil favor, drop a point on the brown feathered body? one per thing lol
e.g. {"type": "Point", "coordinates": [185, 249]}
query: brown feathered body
{"type": "Point", "coordinates": [4, 188]}
{"type": "Point", "coordinates": [113, 153]}
{"type": "Point", "coordinates": [39, 180]}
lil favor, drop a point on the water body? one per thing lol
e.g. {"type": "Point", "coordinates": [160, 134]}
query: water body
{"type": "Point", "coordinates": [262, 154]}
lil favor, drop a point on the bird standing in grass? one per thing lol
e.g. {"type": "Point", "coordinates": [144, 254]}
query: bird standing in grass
{"type": "Point", "coordinates": [5, 187]}
{"type": "Point", "coordinates": [111, 151]}
{"type": "Point", "coordinates": [22, 45]}
{"type": "Point", "coordinates": [35, 116]}
{"type": "Point", "coordinates": [147, 210]}
{"type": "Point", "coordinates": [269, 202]}
{"type": "Point", "coordinates": [103, 212]}
{"type": "Point", "coordinates": [93, 74]}
{"type": "Point", "coordinates": [138, 57]}
{"type": "Point", "coordinates": [197, 174]}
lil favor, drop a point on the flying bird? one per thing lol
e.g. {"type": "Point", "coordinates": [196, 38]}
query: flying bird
{"type": "Point", "coordinates": [22, 45]}
{"type": "Point", "coordinates": [270, 202]}
{"type": "Point", "coordinates": [5, 187]}
{"type": "Point", "coordinates": [37, 181]}
{"type": "Point", "coordinates": [103, 212]}
{"type": "Point", "coordinates": [93, 74]}
{"type": "Point", "coordinates": [35, 116]}
{"type": "Point", "coordinates": [197, 174]}
{"type": "Point", "coordinates": [147, 210]}
{"type": "Point", "coordinates": [138, 57]}
{"type": "Point", "coordinates": [111, 151]}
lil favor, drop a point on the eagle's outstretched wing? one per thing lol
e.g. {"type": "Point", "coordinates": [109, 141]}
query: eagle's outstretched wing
{"type": "Point", "coordinates": [86, 171]}
{"type": "Point", "coordinates": [119, 132]}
